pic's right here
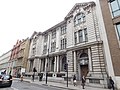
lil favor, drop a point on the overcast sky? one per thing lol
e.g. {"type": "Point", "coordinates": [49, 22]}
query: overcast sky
{"type": "Point", "coordinates": [20, 18]}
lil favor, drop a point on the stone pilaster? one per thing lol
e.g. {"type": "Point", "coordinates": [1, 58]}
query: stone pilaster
{"type": "Point", "coordinates": [57, 63]}
{"type": "Point", "coordinates": [46, 63]}
{"type": "Point", "coordinates": [75, 67]}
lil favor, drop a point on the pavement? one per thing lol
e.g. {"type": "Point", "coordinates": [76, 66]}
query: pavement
{"type": "Point", "coordinates": [61, 85]}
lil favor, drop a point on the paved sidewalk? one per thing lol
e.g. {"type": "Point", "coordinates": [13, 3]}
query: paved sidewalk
{"type": "Point", "coordinates": [61, 85]}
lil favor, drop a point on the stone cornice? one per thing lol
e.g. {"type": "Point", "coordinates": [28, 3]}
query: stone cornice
{"type": "Point", "coordinates": [85, 45]}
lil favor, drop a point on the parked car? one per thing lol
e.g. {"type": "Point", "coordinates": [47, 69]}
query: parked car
{"type": "Point", "coordinates": [5, 80]}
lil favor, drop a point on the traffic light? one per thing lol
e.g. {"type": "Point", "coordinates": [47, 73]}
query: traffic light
{"type": "Point", "coordinates": [65, 66]}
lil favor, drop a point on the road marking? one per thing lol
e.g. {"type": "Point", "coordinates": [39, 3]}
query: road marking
{"type": "Point", "coordinates": [14, 88]}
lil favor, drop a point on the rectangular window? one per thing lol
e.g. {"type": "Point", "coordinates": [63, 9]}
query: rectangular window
{"type": "Point", "coordinates": [75, 36]}
{"type": "Point", "coordinates": [118, 30]}
{"type": "Point", "coordinates": [54, 34]}
{"type": "Point", "coordinates": [119, 2]}
{"type": "Point", "coordinates": [34, 40]}
{"type": "Point", "coordinates": [86, 35]}
{"type": "Point", "coordinates": [80, 36]}
{"type": "Point", "coordinates": [33, 51]}
{"type": "Point", "coordinates": [63, 43]}
{"type": "Point", "coordinates": [53, 46]}
{"type": "Point", "coordinates": [79, 18]}
{"type": "Point", "coordinates": [45, 49]}
{"type": "Point", "coordinates": [63, 29]}
{"type": "Point", "coordinates": [115, 6]}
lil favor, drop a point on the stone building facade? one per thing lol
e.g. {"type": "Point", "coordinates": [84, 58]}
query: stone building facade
{"type": "Point", "coordinates": [4, 61]}
{"type": "Point", "coordinates": [19, 57]}
{"type": "Point", "coordinates": [76, 41]}
{"type": "Point", "coordinates": [109, 22]}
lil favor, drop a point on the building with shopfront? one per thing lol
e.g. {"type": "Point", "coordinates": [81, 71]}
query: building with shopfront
{"type": "Point", "coordinates": [19, 56]}
{"type": "Point", "coordinates": [109, 22]}
{"type": "Point", "coordinates": [76, 41]}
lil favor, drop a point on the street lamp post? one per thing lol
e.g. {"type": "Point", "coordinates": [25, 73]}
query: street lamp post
{"type": "Point", "coordinates": [47, 58]}
{"type": "Point", "coordinates": [47, 66]}
{"type": "Point", "coordinates": [46, 77]}
{"type": "Point", "coordinates": [66, 70]}
{"type": "Point", "coordinates": [67, 74]}
{"type": "Point", "coordinates": [46, 69]}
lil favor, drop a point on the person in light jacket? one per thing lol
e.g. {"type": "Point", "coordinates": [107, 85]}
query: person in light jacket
{"type": "Point", "coordinates": [83, 82]}
{"type": "Point", "coordinates": [74, 80]}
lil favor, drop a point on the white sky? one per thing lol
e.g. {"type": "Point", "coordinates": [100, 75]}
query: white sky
{"type": "Point", "coordinates": [20, 18]}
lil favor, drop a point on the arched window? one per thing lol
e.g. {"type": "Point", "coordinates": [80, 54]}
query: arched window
{"type": "Point", "coordinates": [79, 18]}
{"type": "Point", "coordinates": [83, 59]}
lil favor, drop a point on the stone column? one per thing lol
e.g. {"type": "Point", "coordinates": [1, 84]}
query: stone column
{"type": "Point", "coordinates": [28, 66]}
{"type": "Point", "coordinates": [57, 63]}
{"type": "Point", "coordinates": [74, 61]}
{"type": "Point", "coordinates": [60, 64]}
{"type": "Point", "coordinates": [46, 64]}
{"type": "Point", "coordinates": [39, 65]}
{"type": "Point", "coordinates": [90, 61]}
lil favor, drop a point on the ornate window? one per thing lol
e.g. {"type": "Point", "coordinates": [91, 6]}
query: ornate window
{"type": "Point", "coordinates": [80, 34]}
{"type": "Point", "coordinates": [34, 40]}
{"type": "Point", "coordinates": [33, 51]}
{"type": "Point", "coordinates": [53, 46]}
{"type": "Point", "coordinates": [45, 49]}
{"type": "Point", "coordinates": [54, 34]}
{"type": "Point", "coordinates": [85, 34]}
{"type": "Point", "coordinates": [63, 43]}
{"type": "Point", "coordinates": [83, 59]}
{"type": "Point", "coordinates": [79, 18]}
{"type": "Point", "coordinates": [63, 30]}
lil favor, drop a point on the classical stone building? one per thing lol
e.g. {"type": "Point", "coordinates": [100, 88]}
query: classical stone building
{"type": "Point", "coordinates": [109, 22]}
{"type": "Point", "coordinates": [76, 41]}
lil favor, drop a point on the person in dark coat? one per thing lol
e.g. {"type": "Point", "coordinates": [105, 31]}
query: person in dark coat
{"type": "Point", "coordinates": [111, 83]}
{"type": "Point", "coordinates": [83, 82]}
{"type": "Point", "coordinates": [74, 80]}
{"type": "Point", "coordinates": [33, 76]}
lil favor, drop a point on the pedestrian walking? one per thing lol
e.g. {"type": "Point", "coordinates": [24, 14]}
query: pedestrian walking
{"type": "Point", "coordinates": [83, 82]}
{"type": "Point", "coordinates": [33, 76]}
{"type": "Point", "coordinates": [21, 78]}
{"type": "Point", "coordinates": [74, 81]}
{"type": "Point", "coordinates": [111, 83]}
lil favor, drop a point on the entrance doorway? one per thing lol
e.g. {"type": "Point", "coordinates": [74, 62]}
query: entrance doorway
{"type": "Point", "coordinates": [84, 64]}
{"type": "Point", "coordinates": [84, 70]}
